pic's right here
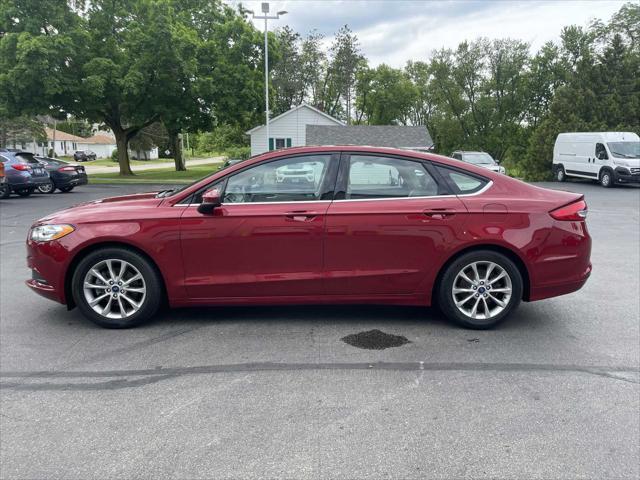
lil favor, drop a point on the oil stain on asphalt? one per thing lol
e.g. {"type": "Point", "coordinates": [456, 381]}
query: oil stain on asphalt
{"type": "Point", "coordinates": [375, 340]}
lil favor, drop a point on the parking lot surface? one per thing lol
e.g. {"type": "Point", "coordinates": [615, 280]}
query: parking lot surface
{"type": "Point", "coordinates": [554, 392]}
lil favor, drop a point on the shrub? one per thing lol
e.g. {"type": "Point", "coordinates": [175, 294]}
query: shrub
{"type": "Point", "coordinates": [238, 152]}
{"type": "Point", "coordinates": [114, 155]}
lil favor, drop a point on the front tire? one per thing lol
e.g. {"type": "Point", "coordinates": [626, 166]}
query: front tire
{"type": "Point", "coordinates": [480, 289]}
{"type": "Point", "coordinates": [47, 188]}
{"type": "Point", "coordinates": [606, 178]}
{"type": "Point", "coordinates": [560, 175]}
{"type": "Point", "coordinates": [116, 288]}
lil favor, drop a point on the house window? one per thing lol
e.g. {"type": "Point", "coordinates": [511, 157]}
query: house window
{"type": "Point", "coordinates": [278, 143]}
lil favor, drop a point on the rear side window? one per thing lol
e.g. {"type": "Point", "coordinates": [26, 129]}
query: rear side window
{"type": "Point", "coordinates": [462, 183]}
{"type": "Point", "coordinates": [387, 177]}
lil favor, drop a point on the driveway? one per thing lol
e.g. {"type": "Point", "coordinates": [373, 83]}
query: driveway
{"type": "Point", "coordinates": [274, 392]}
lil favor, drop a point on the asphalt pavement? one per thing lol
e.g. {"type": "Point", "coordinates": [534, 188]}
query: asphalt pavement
{"type": "Point", "coordinates": [275, 393]}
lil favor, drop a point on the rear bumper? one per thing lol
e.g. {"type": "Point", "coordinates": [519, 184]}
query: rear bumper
{"type": "Point", "coordinates": [28, 182]}
{"type": "Point", "coordinates": [68, 181]}
{"type": "Point", "coordinates": [563, 288]}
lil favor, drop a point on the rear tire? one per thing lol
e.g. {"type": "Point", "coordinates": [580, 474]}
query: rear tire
{"type": "Point", "coordinates": [560, 175]}
{"type": "Point", "coordinates": [480, 289]}
{"type": "Point", "coordinates": [5, 190]}
{"type": "Point", "coordinates": [47, 188]}
{"type": "Point", "coordinates": [116, 298]}
{"type": "Point", "coordinates": [24, 192]}
{"type": "Point", "coordinates": [66, 189]}
{"type": "Point", "coordinates": [606, 178]}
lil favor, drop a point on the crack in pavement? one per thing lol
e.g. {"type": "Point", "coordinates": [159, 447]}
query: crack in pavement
{"type": "Point", "coordinates": [161, 373]}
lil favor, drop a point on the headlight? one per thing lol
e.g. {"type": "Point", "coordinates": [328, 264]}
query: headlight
{"type": "Point", "coordinates": [46, 233]}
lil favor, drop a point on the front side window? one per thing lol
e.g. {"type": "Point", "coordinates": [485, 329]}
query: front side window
{"type": "Point", "coordinates": [462, 183]}
{"type": "Point", "coordinates": [296, 179]}
{"type": "Point", "coordinates": [601, 152]}
{"type": "Point", "coordinates": [385, 177]}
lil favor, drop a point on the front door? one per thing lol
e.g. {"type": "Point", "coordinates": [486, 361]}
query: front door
{"type": "Point", "coordinates": [266, 238]}
{"type": "Point", "coordinates": [388, 227]}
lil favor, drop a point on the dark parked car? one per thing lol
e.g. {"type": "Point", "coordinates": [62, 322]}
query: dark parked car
{"type": "Point", "coordinates": [24, 173]}
{"type": "Point", "coordinates": [375, 225]}
{"type": "Point", "coordinates": [64, 175]}
{"type": "Point", "coordinates": [84, 155]}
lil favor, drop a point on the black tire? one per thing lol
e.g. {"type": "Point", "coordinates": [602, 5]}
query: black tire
{"type": "Point", "coordinates": [560, 175]}
{"type": "Point", "coordinates": [47, 188]}
{"type": "Point", "coordinates": [606, 178]}
{"type": "Point", "coordinates": [5, 190]}
{"type": "Point", "coordinates": [24, 192]}
{"type": "Point", "coordinates": [154, 291]}
{"type": "Point", "coordinates": [66, 189]}
{"type": "Point", "coordinates": [445, 296]}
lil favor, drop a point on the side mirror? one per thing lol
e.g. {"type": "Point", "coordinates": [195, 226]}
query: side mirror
{"type": "Point", "coordinates": [210, 200]}
{"type": "Point", "coordinates": [497, 161]}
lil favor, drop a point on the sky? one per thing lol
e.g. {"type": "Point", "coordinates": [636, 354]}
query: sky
{"type": "Point", "coordinates": [394, 31]}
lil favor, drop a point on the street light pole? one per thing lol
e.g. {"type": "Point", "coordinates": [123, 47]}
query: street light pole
{"type": "Point", "coordinates": [265, 17]}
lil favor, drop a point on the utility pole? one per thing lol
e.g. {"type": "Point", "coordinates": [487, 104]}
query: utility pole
{"type": "Point", "coordinates": [265, 17]}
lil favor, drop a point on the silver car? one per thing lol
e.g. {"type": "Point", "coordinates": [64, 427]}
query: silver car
{"type": "Point", "coordinates": [481, 159]}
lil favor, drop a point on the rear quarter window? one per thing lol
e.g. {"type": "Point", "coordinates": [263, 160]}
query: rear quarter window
{"type": "Point", "coordinates": [462, 183]}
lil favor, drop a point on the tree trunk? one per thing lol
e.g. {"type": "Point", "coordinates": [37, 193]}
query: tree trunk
{"type": "Point", "coordinates": [122, 142]}
{"type": "Point", "coordinates": [176, 146]}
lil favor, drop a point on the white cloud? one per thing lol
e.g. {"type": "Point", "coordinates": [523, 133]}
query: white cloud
{"type": "Point", "coordinates": [396, 31]}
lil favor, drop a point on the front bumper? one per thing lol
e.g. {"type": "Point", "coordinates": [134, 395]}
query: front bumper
{"type": "Point", "coordinates": [625, 175]}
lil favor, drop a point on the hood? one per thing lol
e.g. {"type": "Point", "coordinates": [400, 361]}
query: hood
{"type": "Point", "coordinates": [116, 208]}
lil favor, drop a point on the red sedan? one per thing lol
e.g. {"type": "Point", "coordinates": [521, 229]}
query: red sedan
{"type": "Point", "coordinates": [318, 225]}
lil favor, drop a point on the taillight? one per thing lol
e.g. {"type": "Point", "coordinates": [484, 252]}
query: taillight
{"type": "Point", "coordinates": [67, 169]}
{"type": "Point", "coordinates": [21, 166]}
{"type": "Point", "coordinates": [575, 211]}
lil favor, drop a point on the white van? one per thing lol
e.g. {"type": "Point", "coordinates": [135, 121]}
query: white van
{"type": "Point", "coordinates": [609, 157]}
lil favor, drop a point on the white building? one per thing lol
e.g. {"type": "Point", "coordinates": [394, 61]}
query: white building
{"type": "Point", "coordinates": [288, 129]}
{"type": "Point", "coordinates": [64, 144]}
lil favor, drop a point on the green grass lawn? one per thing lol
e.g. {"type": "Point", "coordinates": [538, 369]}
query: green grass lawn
{"type": "Point", "coordinates": [158, 175]}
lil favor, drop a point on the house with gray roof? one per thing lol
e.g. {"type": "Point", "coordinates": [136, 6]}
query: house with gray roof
{"type": "Point", "coordinates": [306, 125]}
{"type": "Point", "coordinates": [395, 136]}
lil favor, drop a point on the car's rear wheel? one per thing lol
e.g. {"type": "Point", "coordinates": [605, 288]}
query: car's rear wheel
{"type": "Point", "coordinates": [47, 188]}
{"type": "Point", "coordinates": [480, 289]}
{"type": "Point", "coordinates": [5, 191]}
{"type": "Point", "coordinates": [66, 189]}
{"type": "Point", "coordinates": [116, 288]}
{"type": "Point", "coordinates": [24, 192]}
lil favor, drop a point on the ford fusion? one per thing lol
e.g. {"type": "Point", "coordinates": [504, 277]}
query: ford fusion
{"type": "Point", "coordinates": [314, 225]}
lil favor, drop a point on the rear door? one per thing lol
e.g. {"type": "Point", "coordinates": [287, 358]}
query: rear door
{"type": "Point", "coordinates": [388, 226]}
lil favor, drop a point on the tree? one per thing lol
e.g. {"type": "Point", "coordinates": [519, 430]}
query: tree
{"type": "Point", "coordinates": [384, 96]}
{"type": "Point", "coordinates": [345, 61]}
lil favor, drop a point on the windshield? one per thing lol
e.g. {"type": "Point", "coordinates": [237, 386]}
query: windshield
{"type": "Point", "coordinates": [624, 149]}
{"type": "Point", "coordinates": [479, 158]}
{"type": "Point", "coordinates": [173, 191]}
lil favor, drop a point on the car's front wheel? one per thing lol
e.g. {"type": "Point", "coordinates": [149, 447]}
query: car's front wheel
{"type": "Point", "coordinates": [116, 288]}
{"type": "Point", "coordinates": [606, 178]}
{"type": "Point", "coordinates": [480, 289]}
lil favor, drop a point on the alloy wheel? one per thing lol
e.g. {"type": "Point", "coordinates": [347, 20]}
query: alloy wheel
{"type": "Point", "coordinates": [46, 188]}
{"type": "Point", "coordinates": [114, 288]}
{"type": "Point", "coordinates": [482, 290]}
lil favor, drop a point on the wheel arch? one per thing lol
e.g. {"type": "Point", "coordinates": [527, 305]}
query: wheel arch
{"type": "Point", "coordinates": [99, 246]}
{"type": "Point", "coordinates": [510, 254]}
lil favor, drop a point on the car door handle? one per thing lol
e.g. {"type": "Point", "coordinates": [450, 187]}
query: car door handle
{"type": "Point", "coordinates": [439, 213]}
{"type": "Point", "coordinates": [301, 216]}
